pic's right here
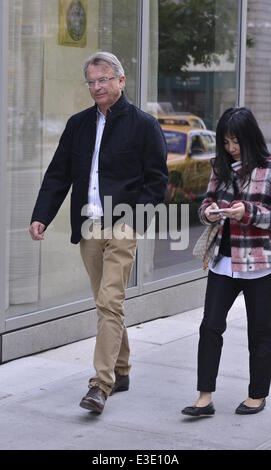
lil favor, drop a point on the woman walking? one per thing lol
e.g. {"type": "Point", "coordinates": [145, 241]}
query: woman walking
{"type": "Point", "coordinates": [240, 185]}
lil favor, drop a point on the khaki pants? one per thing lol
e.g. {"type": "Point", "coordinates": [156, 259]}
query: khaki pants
{"type": "Point", "coordinates": [109, 262]}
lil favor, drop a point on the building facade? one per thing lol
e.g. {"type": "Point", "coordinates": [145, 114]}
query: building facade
{"type": "Point", "coordinates": [185, 62]}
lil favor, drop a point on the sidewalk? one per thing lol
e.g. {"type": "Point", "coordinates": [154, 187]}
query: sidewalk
{"type": "Point", "coordinates": [39, 395]}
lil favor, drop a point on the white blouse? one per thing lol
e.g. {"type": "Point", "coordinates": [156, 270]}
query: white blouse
{"type": "Point", "coordinates": [223, 267]}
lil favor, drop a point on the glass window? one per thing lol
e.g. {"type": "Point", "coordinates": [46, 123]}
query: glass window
{"type": "Point", "coordinates": [46, 87]}
{"type": "Point", "coordinates": [258, 64]}
{"type": "Point", "coordinates": [209, 142]}
{"type": "Point", "coordinates": [192, 68]}
{"type": "Point", "coordinates": [197, 123]}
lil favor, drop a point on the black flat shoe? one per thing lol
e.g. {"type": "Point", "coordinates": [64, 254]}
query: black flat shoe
{"type": "Point", "coordinates": [199, 410]}
{"type": "Point", "coordinates": [243, 409]}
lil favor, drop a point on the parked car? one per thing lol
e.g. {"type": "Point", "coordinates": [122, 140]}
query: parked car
{"type": "Point", "coordinates": [189, 154]}
{"type": "Point", "coordinates": [165, 113]}
{"type": "Point", "coordinates": [187, 143]}
{"type": "Point", "coordinates": [181, 119]}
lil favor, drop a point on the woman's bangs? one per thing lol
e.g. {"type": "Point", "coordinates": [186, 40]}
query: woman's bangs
{"type": "Point", "coordinates": [232, 128]}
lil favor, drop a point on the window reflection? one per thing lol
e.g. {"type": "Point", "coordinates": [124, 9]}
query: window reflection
{"type": "Point", "coordinates": [192, 81]}
{"type": "Point", "coordinates": [258, 64]}
{"type": "Point", "coordinates": [45, 88]}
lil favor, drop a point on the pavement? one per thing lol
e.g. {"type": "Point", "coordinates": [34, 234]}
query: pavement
{"type": "Point", "coordinates": [39, 395]}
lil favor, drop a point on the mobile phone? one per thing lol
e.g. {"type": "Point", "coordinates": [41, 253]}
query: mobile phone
{"type": "Point", "coordinates": [215, 211]}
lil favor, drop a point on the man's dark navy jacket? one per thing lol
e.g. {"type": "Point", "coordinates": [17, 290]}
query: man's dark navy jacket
{"type": "Point", "coordinates": [132, 163]}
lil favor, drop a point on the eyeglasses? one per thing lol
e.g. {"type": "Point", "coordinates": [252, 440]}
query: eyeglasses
{"type": "Point", "coordinates": [103, 81]}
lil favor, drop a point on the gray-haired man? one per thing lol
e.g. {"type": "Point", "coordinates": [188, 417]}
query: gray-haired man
{"type": "Point", "coordinates": [111, 149]}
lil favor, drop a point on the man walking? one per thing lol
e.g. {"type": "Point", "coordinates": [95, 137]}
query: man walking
{"type": "Point", "coordinates": [115, 150]}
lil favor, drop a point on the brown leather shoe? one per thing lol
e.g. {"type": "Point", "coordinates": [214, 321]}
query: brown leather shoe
{"type": "Point", "coordinates": [94, 400]}
{"type": "Point", "coordinates": [121, 383]}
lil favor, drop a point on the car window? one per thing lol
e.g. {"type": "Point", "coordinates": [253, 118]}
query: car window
{"type": "Point", "coordinates": [196, 123]}
{"type": "Point", "coordinates": [174, 122]}
{"type": "Point", "coordinates": [176, 141]}
{"type": "Point", "coordinates": [209, 142]}
{"type": "Point", "coordinates": [197, 145]}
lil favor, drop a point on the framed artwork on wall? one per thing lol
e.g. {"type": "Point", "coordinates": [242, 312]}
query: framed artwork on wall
{"type": "Point", "coordinates": [73, 23]}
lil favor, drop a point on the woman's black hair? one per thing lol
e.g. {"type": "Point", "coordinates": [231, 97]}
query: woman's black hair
{"type": "Point", "coordinates": [241, 124]}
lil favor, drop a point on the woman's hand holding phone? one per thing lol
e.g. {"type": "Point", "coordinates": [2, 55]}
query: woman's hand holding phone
{"type": "Point", "coordinates": [236, 211]}
{"type": "Point", "coordinates": [212, 212]}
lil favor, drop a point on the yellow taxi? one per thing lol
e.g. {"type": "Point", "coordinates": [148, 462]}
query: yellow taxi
{"type": "Point", "coordinates": [181, 119]}
{"type": "Point", "coordinates": [166, 115]}
{"type": "Point", "coordinates": [187, 143]}
{"type": "Point", "coordinates": [189, 154]}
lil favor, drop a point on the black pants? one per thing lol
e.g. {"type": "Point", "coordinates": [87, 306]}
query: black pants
{"type": "Point", "coordinates": [220, 295]}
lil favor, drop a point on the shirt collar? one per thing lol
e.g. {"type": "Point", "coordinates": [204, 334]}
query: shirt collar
{"type": "Point", "coordinates": [100, 114]}
{"type": "Point", "coordinates": [236, 166]}
{"type": "Point", "coordinates": [119, 107]}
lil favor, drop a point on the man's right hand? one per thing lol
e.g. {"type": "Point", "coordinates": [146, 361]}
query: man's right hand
{"type": "Point", "coordinates": [36, 231]}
